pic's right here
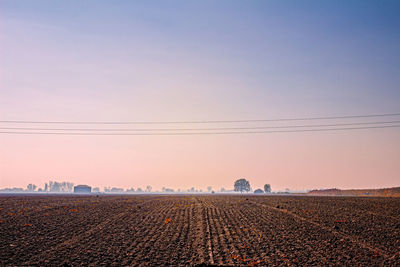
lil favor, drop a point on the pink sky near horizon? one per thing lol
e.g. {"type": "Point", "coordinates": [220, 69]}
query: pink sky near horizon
{"type": "Point", "coordinates": [88, 61]}
{"type": "Point", "coordinates": [302, 161]}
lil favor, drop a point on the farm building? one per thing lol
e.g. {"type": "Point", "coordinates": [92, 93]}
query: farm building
{"type": "Point", "coordinates": [82, 189]}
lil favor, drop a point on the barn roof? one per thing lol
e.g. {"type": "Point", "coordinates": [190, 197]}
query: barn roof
{"type": "Point", "coordinates": [82, 185]}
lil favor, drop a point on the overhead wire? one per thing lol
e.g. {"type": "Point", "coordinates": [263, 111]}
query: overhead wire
{"type": "Point", "coordinates": [207, 133]}
{"type": "Point", "coordinates": [205, 121]}
{"type": "Point", "coordinates": [199, 129]}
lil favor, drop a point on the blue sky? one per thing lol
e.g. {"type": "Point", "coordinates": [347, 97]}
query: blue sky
{"type": "Point", "coordinates": [313, 56]}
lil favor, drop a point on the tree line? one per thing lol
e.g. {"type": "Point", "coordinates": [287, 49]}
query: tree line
{"type": "Point", "coordinates": [243, 185]}
{"type": "Point", "coordinates": [240, 185]}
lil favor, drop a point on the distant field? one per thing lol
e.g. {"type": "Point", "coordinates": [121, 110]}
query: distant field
{"type": "Point", "coordinates": [384, 192]}
{"type": "Point", "coordinates": [190, 230]}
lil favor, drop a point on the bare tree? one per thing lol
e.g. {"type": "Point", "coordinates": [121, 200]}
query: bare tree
{"type": "Point", "coordinates": [54, 186]}
{"type": "Point", "coordinates": [131, 190]}
{"type": "Point", "coordinates": [69, 187]}
{"type": "Point", "coordinates": [31, 187]}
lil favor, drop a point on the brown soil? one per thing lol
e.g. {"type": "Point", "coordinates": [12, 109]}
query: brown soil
{"type": "Point", "coordinates": [199, 230]}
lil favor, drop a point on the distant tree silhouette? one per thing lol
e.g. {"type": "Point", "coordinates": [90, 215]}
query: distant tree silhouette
{"type": "Point", "coordinates": [131, 190]}
{"type": "Point", "coordinates": [148, 188]}
{"type": "Point", "coordinates": [209, 188]}
{"type": "Point", "coordinates": [267, 188]}
{"type": "Point", "coordinates": [54, 186]}
{"type": "Point", "coordinates": [69, 186]}
{"type": "Point", "coordinates": [258, 191]}
{"type": "Point", "coordinates": [116, 190]}
{"type": "Point", "coordinates": [31, 187]}
{"type": "Point", "coordinates": [242, 185]}
{"type": "Point", "coordinates": [167, 190]}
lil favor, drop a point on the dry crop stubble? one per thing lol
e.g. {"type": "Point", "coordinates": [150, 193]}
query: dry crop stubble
{"type": "Point", "coordinates": [186, 230]}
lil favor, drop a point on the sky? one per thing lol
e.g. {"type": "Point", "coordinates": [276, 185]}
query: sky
{"type": "Point", "coordinates": [199, 60]}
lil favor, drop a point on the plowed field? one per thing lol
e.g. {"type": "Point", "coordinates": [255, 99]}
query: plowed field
{"type": "Point", "coordinates": [192, 229]}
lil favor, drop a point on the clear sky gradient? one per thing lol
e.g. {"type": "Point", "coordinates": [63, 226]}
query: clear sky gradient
{"type": "Point", "coordinates": [200, 60]}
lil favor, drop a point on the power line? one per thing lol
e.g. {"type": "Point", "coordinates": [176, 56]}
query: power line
{"type": "Point", "coordinates": [199, 129]}
{"type": "Point", "coordinates": [209, 133]}
{"type": "Point", "coordinates": [205, 121]}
